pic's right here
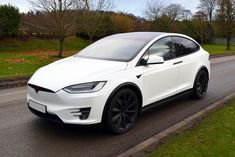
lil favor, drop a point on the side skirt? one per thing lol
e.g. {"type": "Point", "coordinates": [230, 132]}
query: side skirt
{"type": "Point", "coordinates": [166, 100]}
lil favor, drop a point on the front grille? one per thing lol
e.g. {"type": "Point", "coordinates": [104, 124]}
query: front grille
{"type": "Point", "coordinates": [47, 116]}
{"type": "Point", "coordinates": [37, 89]}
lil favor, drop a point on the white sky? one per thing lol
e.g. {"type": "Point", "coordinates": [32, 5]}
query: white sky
{"type": "Point", "coordinates": [130, 6]}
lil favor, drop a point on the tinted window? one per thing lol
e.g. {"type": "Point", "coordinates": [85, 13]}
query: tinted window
{"type": "Point", "coordinates": [117, 48]}
{"type": "Point", "coordinates": [184, 46]}
{"type": "Point", "coordinates": [163, 48]}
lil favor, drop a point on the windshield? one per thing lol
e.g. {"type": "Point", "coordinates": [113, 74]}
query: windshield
{"type": "Point", "coordinates": [114, 48]}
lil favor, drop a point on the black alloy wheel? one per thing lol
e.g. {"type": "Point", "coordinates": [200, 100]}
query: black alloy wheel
{"type": "Point", "coordinates": [122, 111]}
{"type": "Point", "coordinates": [201, 85]}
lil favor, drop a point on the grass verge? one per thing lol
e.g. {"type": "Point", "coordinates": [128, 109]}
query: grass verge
{"type": "Point", "coordinates": [14, 45]}
{"type": "Point", "coordinates": [217, 49]}
{"type": "Point", "coordinates": [214, 136]}
{"type": "Point", "coordinates": [19, 58]}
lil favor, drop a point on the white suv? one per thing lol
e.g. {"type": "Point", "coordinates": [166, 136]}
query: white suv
{"type": "Point", "coordinates": [116, 78]}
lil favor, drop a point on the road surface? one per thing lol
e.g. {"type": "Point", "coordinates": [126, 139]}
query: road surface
{"type": "Point", "coordinates": [23, 134]}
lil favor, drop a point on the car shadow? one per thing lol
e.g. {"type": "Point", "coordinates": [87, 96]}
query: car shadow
{"type": "Point", "coordinates": [60, 129]}
{"type": "Point", "coordinates": [166, 106]}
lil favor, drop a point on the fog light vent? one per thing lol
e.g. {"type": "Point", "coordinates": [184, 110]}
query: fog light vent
{"type": "Point", "coordinates": [82, 113]}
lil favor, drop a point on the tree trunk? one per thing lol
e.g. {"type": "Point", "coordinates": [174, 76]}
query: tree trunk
{"type": "Point", "coordinates": [90, 38]}
{"type": "Point", "coordinates": [61, 47]}
{"type": "Point", "coordinates": [210, 16]}
{"type": "Point", "coordinates": [201, 39]}
{"type": "Point", "coordinates": [229, 41]}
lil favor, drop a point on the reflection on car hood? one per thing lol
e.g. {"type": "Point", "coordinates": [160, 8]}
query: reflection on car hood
{"type": "Point", "coordinates": [74, 70]}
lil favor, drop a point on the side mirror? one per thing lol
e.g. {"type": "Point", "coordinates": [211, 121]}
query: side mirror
{"type": "Point", "coordinates": [143, 61]}
{"type": "Point", "coordinates": [155, 60]}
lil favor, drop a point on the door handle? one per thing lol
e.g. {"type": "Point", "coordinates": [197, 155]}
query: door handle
{"type": "Point", "coordinates": [178, 62]}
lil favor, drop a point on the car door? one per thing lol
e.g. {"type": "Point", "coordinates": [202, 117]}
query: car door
{"type": "Point", "coordinates": [160, 80]}
{"type": "Point", "coordinates": [188, 59]}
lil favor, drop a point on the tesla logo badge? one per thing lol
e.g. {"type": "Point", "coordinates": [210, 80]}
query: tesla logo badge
{"type": "Point", "coordinates": [36, 89]}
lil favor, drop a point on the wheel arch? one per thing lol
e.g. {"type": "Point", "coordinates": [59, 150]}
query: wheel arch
{"type": "Point", "coordinates": [200, 69]}
{"type": "Point", "coordinates": [203, 68]}
{"type": "Point", "coordinates": [195, 94]}
{"type": "Point", "coordinates": [128, 85]}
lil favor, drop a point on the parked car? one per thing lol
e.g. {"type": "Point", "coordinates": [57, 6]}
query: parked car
{"type": "Point", "coordinates": [116, 78]}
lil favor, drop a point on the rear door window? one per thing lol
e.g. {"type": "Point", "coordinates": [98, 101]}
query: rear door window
{"type": "Point", "coordinates": [184, 46]}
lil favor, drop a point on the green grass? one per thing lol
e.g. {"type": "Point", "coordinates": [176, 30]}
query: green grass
{"type": "Point", "coordinates": [213, 137]}
{"type": "Point", "coordinates": [216, 49]}
{"type": "Point", "coordinates": [19, 58]}
{"type": "Point", "coordinates": [71, 44]}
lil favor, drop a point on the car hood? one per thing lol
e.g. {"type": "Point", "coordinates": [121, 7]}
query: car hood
{"type": "Point", "coordinates": [74, 70]}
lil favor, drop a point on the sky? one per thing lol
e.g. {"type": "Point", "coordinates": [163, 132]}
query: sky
{"type": "Point", "coordinates": [135, 7]}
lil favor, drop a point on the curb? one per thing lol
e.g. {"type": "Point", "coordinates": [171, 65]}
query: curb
{"type": "Point", "coordinates": [218, 56]}
{"type": "Point", "coordinates": [13, 82]}
{"type": "Point", "coordinates": [155, 141]}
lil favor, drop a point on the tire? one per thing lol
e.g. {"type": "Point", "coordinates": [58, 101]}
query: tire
{"type": "Point", "coordinates": [200, 85]}
{"type": "Point", "coordinates": [122, 111]}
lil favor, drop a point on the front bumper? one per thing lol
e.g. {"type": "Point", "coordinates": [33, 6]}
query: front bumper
{"type": "Point", "coordinates": [46, 116]}
{"type": "Point", "coordinates": [82, 109]}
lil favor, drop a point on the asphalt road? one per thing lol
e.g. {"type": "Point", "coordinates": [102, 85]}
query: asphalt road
{"type": "Point", "coordinates": [23, 134]}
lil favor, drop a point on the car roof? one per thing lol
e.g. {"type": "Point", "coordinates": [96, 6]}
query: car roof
{"type": "Point", "coordinates": [144, 36]}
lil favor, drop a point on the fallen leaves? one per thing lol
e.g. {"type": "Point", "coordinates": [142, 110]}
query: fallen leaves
{"type": "Point", "coordinates": [17, 61]}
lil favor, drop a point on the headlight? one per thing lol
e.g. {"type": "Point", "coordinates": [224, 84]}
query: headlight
{"type": "Point", "coordinates": [85, 87]}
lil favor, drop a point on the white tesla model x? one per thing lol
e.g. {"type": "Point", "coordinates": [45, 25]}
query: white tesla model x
{"type": "Point", "coordinates": [116, 78]}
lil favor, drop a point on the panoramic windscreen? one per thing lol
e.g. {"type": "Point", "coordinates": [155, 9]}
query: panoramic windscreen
{"type": "Point", "coordinates": [122, 47]}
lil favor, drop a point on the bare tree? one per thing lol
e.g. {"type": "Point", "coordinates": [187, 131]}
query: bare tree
{"type": "Point", "coordinates": [225, 15]}
{"type": "Point", "coordinates": [174, 11]}
{"type": "Point", "coordinates": [97, 5]}
{"type": "Point", "coordinates": [201, 29]}
{"type": "Point", "coordinates": [93, 14]}
{"type": "Point", "coordinates": [154, 10]}
{"type": "Point", "coordinates": [63, 14]}
{"type": "Point", "coordinates": [39, 23]}
{"type": "Point", "coordinates": [186, 14]}
{"type": "Point", "coordinates": [208, 7]}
